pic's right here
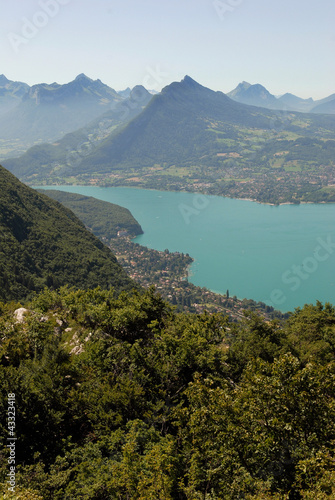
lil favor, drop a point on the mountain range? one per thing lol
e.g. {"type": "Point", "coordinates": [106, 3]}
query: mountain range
{"type": "Point", "coordinates": [190, 137]}
{"type": "Point", "coordinates": [47, 112]}
{"type": "Point", "coordinates": [31, 115]}
{"type": "Point", "coordinates": [190, 125]}
{"type": "Point", "coordinates": [56, 159]}
{"type": "Point", "coordinates": [257, 95]}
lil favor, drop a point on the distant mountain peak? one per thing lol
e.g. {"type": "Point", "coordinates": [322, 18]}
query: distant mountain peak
{"type": "Point", "coordinates": [139, 94]}
{"type": "Point", "coordinates": [124, 93]}
{"type": "Point", "coordinates": [254, 95]}
{"type": "Point", "coordinates": [56, 109]}
{"type": "Point", "coordinates": [3, 80]}
{"type": "Point", "coordinates": [293, 97]}
{"type": "Point", "coordinates": [84, 80]}
{"type": "Point", "coordinates": [189, 81]}
{"type": "Point", "coordinates": [258, 95]}
{"type": "Point", "coordinates": [139, 89]}
{"type": "Point", "coordinates": [241, 87]}
{"type": "Point", "coordinates": [82, 77]}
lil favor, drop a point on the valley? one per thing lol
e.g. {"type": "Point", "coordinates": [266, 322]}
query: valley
{"type": "Point", "coordinates": [137, 367]}
{"type": "Point", "coordinates": [190, 138]}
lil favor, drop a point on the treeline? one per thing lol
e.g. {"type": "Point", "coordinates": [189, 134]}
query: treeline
{"type": "Point", "coordinates": [123, 398]}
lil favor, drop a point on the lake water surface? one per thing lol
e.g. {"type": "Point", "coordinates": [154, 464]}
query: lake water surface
{"type": "Point", "coordinates": [281, 255]}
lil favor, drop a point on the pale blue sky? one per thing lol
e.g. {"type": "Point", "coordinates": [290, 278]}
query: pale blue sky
{"type": "Point", "coordinates": [287, 46]}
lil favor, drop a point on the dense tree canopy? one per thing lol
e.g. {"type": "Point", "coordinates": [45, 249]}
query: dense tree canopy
{"type": "Point", "coordinates": [42, 243]}
{"type": "Point", "coordinates": [104, 219]}
{"type": "Point", "coordinates": [120, 397]}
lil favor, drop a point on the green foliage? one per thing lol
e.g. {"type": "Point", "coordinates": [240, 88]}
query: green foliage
{"type": "Point", "coordinates": [122, 397]}
{"type": "Point", "coordinates": [102, 218]}
{"type": "Point", "coordinates": [311, 332]}
{"type": "Point", "coordinates": [255, 338]}
{"type": "Point", "coordinates": [20, 494]}
{"type": "Point", "coordinates": [44, 244]}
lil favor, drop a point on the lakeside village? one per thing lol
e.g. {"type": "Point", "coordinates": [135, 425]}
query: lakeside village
{"type": "Point", "coordinates": [168, 272]}
{"type": "Point", "coordinates": [296, 184]}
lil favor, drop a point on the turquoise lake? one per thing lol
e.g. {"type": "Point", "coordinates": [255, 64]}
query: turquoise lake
{"type": "Point", "coordinates": [281, 255]}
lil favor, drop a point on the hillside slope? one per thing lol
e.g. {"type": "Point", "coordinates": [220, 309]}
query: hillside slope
{"type": "Point", "coordinates": [64, 156]}
{"type": "Point", "coordinates": [45, 244]}
{"type": "Point", "coordinates": [326, 106]}
{"type": "Point", "coordinates": [176, 126]}
{"type": "Point", "coordinates": [191, 125]}
{"type": "Point", "coordinates": [104, 219]}
{"type": "Point", "coordinates": [131, 400]}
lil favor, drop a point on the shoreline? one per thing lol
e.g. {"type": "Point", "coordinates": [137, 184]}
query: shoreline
{"type": "Point", "coordinates": [189, 275]}
{"type": "Point", "coordinates": [46, 186]}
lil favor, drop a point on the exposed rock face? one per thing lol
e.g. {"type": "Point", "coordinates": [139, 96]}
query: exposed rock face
{"type": "Point", "coordinates": [19, 314]}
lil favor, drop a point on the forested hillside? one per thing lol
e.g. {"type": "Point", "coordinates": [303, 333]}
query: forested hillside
{"type": "Point", "coordinates": [102, 218]}
{"type": "Point", "coordinates": [121, 398]}
{"type": "Point", "coordinates": [45, 244]}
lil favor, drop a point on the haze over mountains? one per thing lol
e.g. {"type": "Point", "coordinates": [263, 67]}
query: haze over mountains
{"type": "Point", "coordinates": [174, 127]}
{"type": "Point", "coordinates": [68, 152]}
{"type": "Point", "coordinates": [257, 95]}
{"type": "Point", "coordinates": [190, 124]}
{"type": "Point", "coordinates": [10, 93]}
{"type": "Point", "coordinates": [47, 112]}
{"type": "Point", "coordinates": [227, 147]}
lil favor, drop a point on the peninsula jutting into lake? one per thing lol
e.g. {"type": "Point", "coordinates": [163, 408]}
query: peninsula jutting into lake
{"type": "Point", "coordinates": [167, 250]}
{"type": "Point", "coordinates": [256, 251]}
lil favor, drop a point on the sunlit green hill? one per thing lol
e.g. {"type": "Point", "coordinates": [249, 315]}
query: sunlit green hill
{"type": "Point", "coordinates": [45, 244]}
{"type": "Point", "coordinates": [104, 219]}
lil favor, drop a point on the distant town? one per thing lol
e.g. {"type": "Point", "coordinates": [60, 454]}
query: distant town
{"type": "Point", "coordinates": [168, 272]}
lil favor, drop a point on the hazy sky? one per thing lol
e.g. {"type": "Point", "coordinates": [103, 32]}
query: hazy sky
{"type": "Point", "coordinates": [286, 45]}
